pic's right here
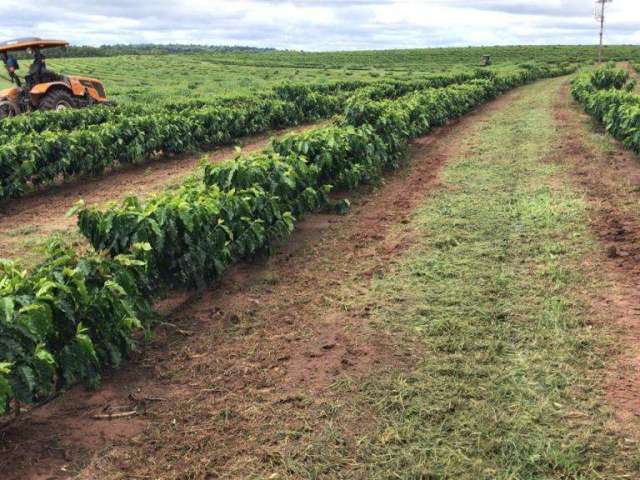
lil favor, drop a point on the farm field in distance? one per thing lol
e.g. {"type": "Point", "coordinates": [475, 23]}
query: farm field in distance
{"type": "Point", "coordinates": [332, 265]}
{"type": "Point", "coordinates": [151, 78]}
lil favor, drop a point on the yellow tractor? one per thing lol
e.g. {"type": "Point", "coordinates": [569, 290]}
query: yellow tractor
{"type": "Point", "coordinates": [42, 89]}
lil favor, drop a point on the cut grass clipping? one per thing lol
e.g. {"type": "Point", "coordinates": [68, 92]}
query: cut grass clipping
{"type": "Point", "coordinates": [507, 384]}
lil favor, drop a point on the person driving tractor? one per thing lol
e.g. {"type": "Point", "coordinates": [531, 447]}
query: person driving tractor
{"type": "Point", "coordinates": [38, 69]}
{"type": "Point", "coordinates": [44, 89]}
{"type": "Point", "coordinates": [38, 72]}
{"type": "Point", "coordinates": [11, 64]}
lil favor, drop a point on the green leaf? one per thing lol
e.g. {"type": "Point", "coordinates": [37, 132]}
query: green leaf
{"type": "Point", "coordinates": [7, 308]}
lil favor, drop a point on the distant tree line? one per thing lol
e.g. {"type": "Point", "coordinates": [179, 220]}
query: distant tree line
{"type": "Point", "coordinates": [144, 49]}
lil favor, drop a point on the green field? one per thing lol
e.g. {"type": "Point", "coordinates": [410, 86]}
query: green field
{"type": "Point", "coordinates": [145, 78]}
{"type": "Point", "coordinates": [149, 78]}
{"type": "Point", "coordinates": [429, 58]}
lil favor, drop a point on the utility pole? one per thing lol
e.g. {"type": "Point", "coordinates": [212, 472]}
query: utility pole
{"type": "Point", "coordinates": [600, 17]}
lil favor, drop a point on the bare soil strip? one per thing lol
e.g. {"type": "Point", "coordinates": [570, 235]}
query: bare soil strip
{"type": "Point", "coordinates": [244, 359]}
{"type": "Point", "coordinates": [610, 178]}
{"type": "Point", "coordinates": [634, 74]}
{"type": "Point", "coordinates": [26, 222]}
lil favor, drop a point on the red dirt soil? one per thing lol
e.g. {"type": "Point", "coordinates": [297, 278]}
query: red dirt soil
{"type": "Point", "coordinates": [241, 363]}
{"type": "Point", "coordinates": [611, 180]}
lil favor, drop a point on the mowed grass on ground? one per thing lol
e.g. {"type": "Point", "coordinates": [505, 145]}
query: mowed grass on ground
{"type": "Point", "coordinates": [509, 380]}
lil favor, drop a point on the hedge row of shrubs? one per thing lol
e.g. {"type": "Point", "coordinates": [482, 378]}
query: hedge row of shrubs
{"type": "Point", "coordinates": [46, 147]}
{"type": "Point", "coordinates": [607, 95]}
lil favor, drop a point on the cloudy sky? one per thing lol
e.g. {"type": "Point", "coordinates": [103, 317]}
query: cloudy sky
{"type": "Point", "coordinates": [321, 25]}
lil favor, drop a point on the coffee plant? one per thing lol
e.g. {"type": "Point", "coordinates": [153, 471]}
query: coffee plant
{"type": "Point", "coordinates": [607, 95]}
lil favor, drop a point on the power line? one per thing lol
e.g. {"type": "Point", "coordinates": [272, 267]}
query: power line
{"type": "Point", "coordinates": [600, 17]}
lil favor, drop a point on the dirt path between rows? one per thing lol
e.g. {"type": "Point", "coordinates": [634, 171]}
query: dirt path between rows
{"type": "Point", "coordinates": [610, 177]}
{"type": "Point", "coordinates": [240, 365]}
{"type": "Point", "coordinates": [634, 74]}
{"type": "Point", "coordinates": [26, 221]}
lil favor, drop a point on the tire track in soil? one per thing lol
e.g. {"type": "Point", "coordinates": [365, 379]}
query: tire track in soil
{"type": "Point", "coordinates": [41, 214]}
{"type": "Point", "coordinates": [251, 358]}
{"type": "Point", "coordinates": [611, 181]}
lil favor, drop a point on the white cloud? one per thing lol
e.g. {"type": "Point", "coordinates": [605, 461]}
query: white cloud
{"type": "Point", "coordinates": [321, 25]}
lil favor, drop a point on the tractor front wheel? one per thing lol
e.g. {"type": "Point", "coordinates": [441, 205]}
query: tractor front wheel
{"type": "Point", "coordinates": [7, 109]}
{"type": "Point", "coordinates": [57, 100]}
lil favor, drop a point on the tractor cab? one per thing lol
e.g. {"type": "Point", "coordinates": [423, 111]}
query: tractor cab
{"type": "Point", "coordinates": [40, 88]}
{"type": "Point", "coordinates": [485, 61]}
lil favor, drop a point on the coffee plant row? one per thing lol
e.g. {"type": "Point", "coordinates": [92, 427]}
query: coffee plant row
{"type": "Point", "coordinates": [607, 95]}
{"type": "Point", "coordinates": [68, 120]}
{"type": "Point", "coordinates": [49, 146]}
{"type": "Point", "coordinates": [76, 314]}
{"type": "Point", "coordinates": [27, 127]}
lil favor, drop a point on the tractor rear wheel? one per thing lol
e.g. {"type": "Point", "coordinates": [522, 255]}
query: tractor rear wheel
{"type": "Point", "coordinates": [57, 100]}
